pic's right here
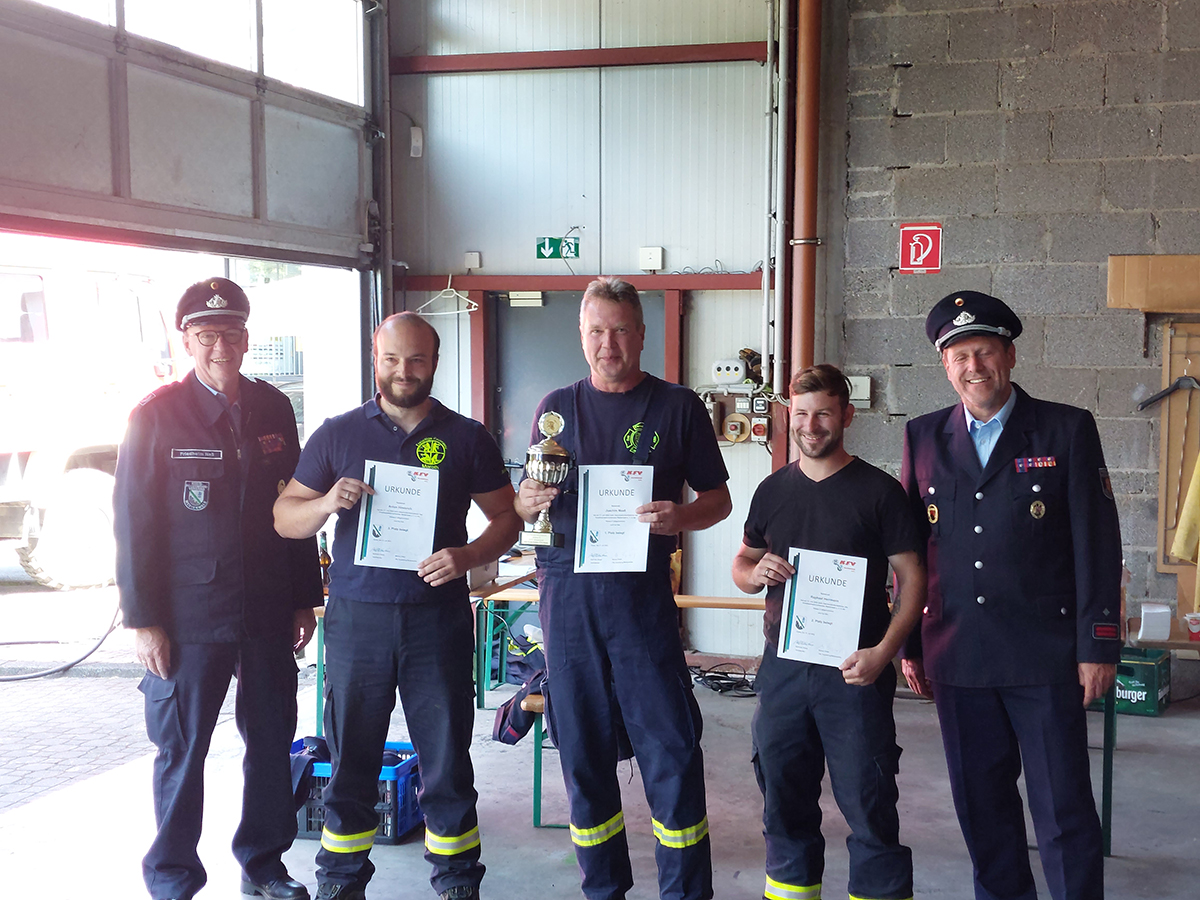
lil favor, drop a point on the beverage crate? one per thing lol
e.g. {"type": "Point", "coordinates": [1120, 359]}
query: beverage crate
{"type": "Point", "coordinates": [1143, 685]}
{"type": "Point", "coordinates": [397, 806]}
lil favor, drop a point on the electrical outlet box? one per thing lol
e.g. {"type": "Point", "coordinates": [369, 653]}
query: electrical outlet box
{"type": "Point", "coordinates": [760, 429]}
{"type": "Point", "coordinates": [741, 404]}
{"type": "Point", "coordinates": [473, 259]}
{"type": "Point", "coordinates": [650, 259]}
{"type": "Point", "coordinates": [729, 371]}
{"type": "Point", "coordinates": [736, 428]}
{"type": "Point", "coordinates": [762, 406]}
{"type": "Point", "coordinates": [860, 389]}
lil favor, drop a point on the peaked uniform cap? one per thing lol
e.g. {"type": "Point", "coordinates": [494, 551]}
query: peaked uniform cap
{"type": "Point", "coordinates": [966, 313]}
{"type": "Point", "coordinates": [211, 298]}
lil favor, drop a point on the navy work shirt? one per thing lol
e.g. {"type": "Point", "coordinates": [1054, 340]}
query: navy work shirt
{"type": "Point", "coordinates": [468, 462]}
{"type": "Point", "coordinates": [603, 428]}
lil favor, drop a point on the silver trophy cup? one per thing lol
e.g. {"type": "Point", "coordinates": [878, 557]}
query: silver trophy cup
{"type": "Point", "coordinates": [548, 462]}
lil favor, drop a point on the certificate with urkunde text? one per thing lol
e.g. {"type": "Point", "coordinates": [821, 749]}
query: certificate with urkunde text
{"type": "Point", "coordinates": [395, 524]}
{"type": "Point", "coordinates": [608, 535]}
{"type": "Point", "coordinates": [822, 607]}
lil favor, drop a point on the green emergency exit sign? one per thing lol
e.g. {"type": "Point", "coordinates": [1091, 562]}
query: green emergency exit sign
{"type": "Point", "coordinates": [558, 248]}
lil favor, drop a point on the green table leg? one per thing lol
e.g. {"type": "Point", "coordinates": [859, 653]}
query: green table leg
{"type": "Point", "coordinates": [1106, 792]}
{"type": "Point", "coordinates": [483, 653]}
{"type": "Point", "coordinates": [320, 729]}
{"type": "Point", "coordinates": [538, 744]}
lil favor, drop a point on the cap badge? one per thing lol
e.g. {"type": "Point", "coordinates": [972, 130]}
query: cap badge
{"type": "Point", "coordinates": [932, 512]}
{"type": "Point", "coordinates": [216, 301]}
{"type": "Point", "coordinates": [958, 301]}
{"type": "Point", "coordinates": [1037, 509]}
{"type": "Point", "coordinates": [963, 318]}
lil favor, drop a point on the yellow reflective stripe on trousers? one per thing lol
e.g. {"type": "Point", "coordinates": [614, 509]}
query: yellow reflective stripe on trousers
{"type": "Point", "coordinates": [777, 890]}
{"type": "Point", "coordinates": [449, 845]}
{"type": "Point", "coordinates": [684, 837]}
{"type": "Point", "coordinates": [347, 843]}
{"type": "Point", "coordinates": [591, 837]}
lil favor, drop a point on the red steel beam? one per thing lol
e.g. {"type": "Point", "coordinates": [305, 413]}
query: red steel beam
{"type": "Point", "coordinates": [715, 281]}
{"type": "Point", "coordinates": [481, 352]}
{"type": "Point", "coordinates": [673, 328]}
{"type": "Point", "coordinates": [601, 57]}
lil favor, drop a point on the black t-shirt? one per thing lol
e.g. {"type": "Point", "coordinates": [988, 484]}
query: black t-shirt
{"type": "Point", "coordinates": [858, 511]}
{"type": "Point", "coordinates": [604, 428]}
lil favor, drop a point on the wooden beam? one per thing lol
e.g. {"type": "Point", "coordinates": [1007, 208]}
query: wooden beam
{"type": "Point", "coordinates": [600, 57]}
{"type": "Point", "coordinates": [481, 358]}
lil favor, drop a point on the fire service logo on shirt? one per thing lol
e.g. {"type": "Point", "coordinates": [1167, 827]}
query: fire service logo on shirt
{"type": "Point", "coordinates": [195, 495]}
{"type": "Point", "coordinates": [631, 438]}
{"type": "Point", "coordinates": [431, 451]}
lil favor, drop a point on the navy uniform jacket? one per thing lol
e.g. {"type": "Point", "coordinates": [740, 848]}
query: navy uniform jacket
{"type": "Point", "coordinates": [1024, 556]}
{"type": "Point", "coordinates": [197, 551]}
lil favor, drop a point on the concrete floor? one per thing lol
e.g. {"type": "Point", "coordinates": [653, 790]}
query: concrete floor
{"type": "Point", "coordinates": [85, 840]}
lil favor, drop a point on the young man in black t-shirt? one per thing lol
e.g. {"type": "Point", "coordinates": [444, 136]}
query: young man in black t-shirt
{"type": "Point", "coordinates": [832, 502]}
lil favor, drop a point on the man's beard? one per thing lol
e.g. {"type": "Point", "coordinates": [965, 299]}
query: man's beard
{"type": "Point", "coordinates": [820, 451]}
{"type": "Point", "coordinates": [418, 392]}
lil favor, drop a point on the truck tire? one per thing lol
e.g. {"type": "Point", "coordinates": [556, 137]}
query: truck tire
{"type": "Point", "coordinates": [74, 547]}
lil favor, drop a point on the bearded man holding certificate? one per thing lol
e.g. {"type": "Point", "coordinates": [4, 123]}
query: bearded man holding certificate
{"type": "Point", "coordinates": [826, 693]}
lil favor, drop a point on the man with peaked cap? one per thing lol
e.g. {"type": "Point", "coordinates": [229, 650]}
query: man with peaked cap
{"type": "Point", "coordinates": [212, 591]}
{"type": "Point", "coordinates": [1020, 631]}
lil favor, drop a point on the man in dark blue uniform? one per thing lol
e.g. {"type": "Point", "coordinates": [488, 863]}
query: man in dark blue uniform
{"type": "Point", "coordinates": [1021, 627]}
{"type": "Point", "coordinates": [389, 628]}
{"type": "Point", "coordinates": [612, 640]}
{"type": "Point", "coordinates": [213, 591]}
{"type": "Point", "coordinates": [841, 712]}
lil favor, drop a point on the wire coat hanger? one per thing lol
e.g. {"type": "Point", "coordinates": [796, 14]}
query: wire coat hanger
{"type": "Point", "coordinates": [1183, 381]}
{"type": "Point", "coordinates": [448, 293]}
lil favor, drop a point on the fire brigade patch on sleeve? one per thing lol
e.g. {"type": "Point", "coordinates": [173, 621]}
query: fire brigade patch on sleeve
{"type": "Point", "coordinates": [195, 495]}
{"type": "Point", "coordinates": [1106, 483]}
{"type": "Point", "coordinates": [1106, 631]}
{"type": "Point", "coordinates": [270, 443]}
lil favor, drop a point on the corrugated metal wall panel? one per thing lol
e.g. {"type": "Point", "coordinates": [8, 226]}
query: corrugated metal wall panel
{"type": "Point", "coordinates": [509, 158]}
{"type": "Point", "coordinates": [718, 325]}
{"type": "Point", "coordinates": [637, 23]}
{"type": "Point", "coordinates": [683, 165]}
{"type": "Point", "coordinates": [56, 124]}
{"type": "Point", "coordinates": [497, 26]}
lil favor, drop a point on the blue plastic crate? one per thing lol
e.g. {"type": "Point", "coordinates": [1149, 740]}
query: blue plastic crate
{"type": "Point", "coordinates": [397, 806]}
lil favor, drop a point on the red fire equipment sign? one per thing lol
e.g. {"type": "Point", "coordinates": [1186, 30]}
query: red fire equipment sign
{"type": "Point", "coordinates": [921, 247]}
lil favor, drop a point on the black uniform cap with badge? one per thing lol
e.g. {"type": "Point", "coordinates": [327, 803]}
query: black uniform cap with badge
{"type": "Point", "coordinates": [968, 314]}
{"type": "Point", "coordinates": [210, 299]}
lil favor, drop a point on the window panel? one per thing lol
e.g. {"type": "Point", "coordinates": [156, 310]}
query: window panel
{"type": "Point", "coordinates": [316, 45]}
{"type": "Point", "coordinates": [222, 30]}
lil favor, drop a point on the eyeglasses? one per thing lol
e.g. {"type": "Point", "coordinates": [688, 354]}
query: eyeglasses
{"type": "Point", "coordinates": [209, 338]}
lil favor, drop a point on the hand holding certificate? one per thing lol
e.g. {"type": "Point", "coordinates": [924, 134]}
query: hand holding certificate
{"type": "Point", "coordinates": [396, 523]}
{"type": "Point", "coordinates": [608, 535]}
{"type": "Point", "coordinates": [822, 607]}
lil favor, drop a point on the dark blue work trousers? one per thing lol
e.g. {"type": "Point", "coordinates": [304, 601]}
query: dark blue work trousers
{"type": "Point", "coordinates": [806, 716]}
{"type": "Point", "coordinates": [988, 733]}
{"type": "Point", "coordinates": [424, 650]}
{"type": "Point", "coordinates": [613, 654]}
{"type": "Point", "coordinates": [181, 712]}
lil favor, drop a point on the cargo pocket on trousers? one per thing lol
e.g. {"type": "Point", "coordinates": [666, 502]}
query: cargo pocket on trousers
{"type": "Point", "coordinates": [162, 711]}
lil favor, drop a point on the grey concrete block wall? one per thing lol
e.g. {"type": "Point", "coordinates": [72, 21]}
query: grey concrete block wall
{"type": "Point", "coordinates": [1044, 137]}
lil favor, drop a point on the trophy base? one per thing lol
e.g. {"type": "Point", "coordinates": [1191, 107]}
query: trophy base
{"type": "Point", "coordinates": [540, 539]}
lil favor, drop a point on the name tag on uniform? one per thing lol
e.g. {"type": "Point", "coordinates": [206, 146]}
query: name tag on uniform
{"type": "Point", "coordinates": [177, 453]}
{"type": "Point", "coordinates": [1026, 463]}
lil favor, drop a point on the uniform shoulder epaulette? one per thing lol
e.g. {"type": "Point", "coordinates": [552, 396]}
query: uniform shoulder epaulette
{"type": "Point", "coordinates": [158, 392]}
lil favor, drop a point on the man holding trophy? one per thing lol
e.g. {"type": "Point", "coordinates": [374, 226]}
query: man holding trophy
{"type": "Point", "coordinates": [612, 639]}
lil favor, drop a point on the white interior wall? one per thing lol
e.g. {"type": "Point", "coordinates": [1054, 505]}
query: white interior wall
{"type": "Point", "coordinates": [669, 156]}
{"type": "Point", "coordinates": [131, 134]}
{"type": "Point", "coordinates": [717, 325]}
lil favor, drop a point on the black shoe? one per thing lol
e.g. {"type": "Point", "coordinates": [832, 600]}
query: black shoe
{"type": "Point", "coordinates": [278, 889]}
{"type": "Point", "coordinates": [340, 892]}
{"type": "Point", "coordinates": [460, 892]}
